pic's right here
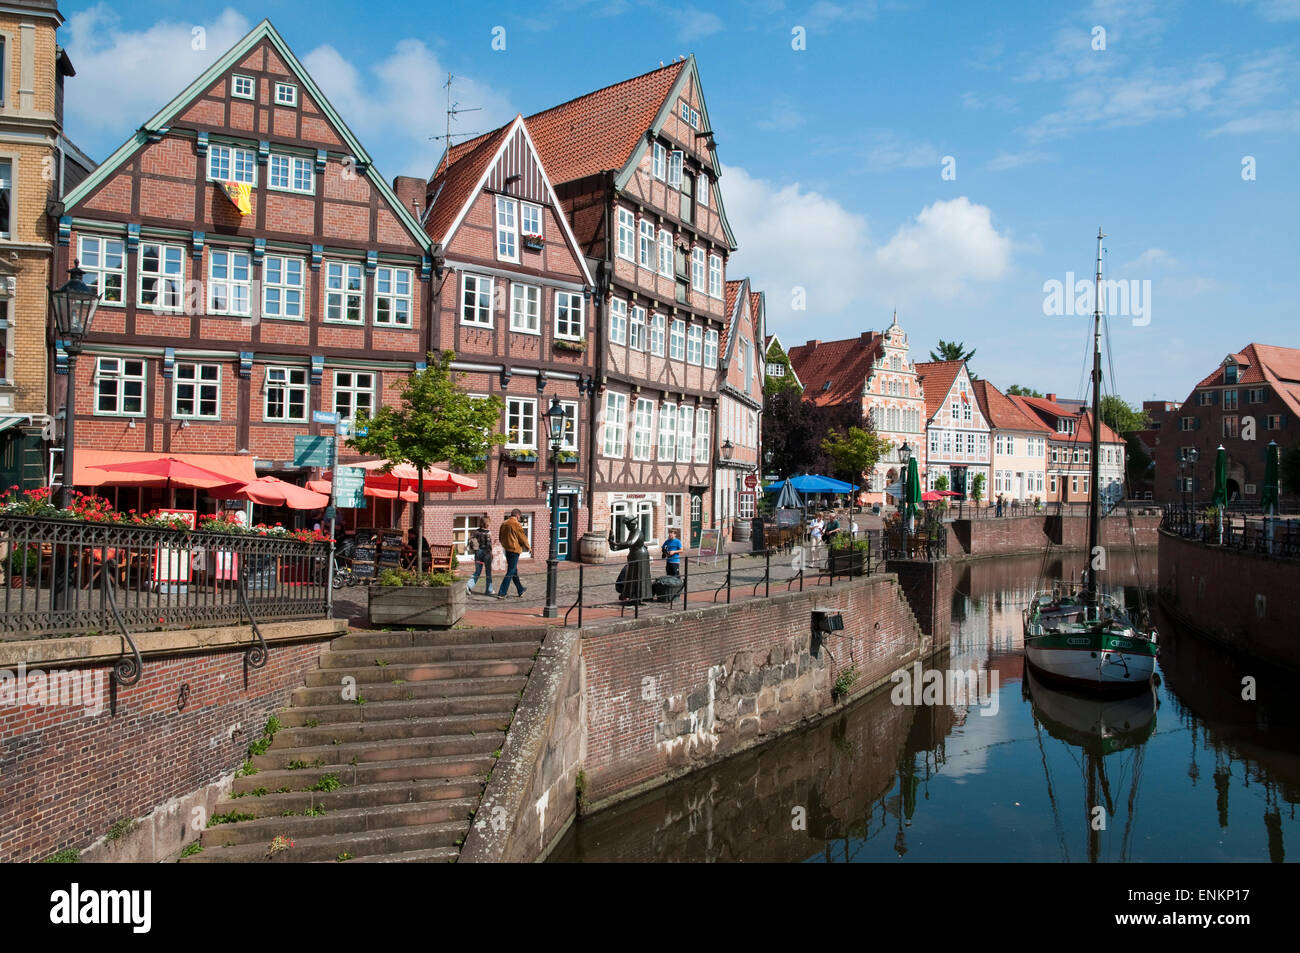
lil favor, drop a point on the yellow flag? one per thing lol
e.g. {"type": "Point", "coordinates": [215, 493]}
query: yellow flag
{"type": "Point", "coordinates": [238, 193]}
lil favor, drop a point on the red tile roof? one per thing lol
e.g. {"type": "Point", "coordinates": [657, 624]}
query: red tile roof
{"type": "Point", "coordinates": [1047, 411]}
{"type": "Point", "coordinates": [845, 365]}
{"type": "Point", "coordinates": [451, 188]}
{"type": "Point", "coordinates": [1266, 364]}
{"type": "Point", "coordinates": [936, 380]}
{"type": "Point", "coordinates": [1001, 412]}
{"type": "Point", "coordinates": [594, 132]}
{"type": "Point", "coordinates": [732, 289]}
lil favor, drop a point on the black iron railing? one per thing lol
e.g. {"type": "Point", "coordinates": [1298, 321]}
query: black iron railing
{"type": "Point", "coordinates": [1241, 530]}
{"type": "Point", "coordinates": [52, 578]}
{"type": "Point", "coordinates": [928, 540]}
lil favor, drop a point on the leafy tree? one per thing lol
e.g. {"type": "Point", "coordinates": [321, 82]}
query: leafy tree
{"type": "Point", "coordinates": [954, 351]}
{"type": "Point", "coordinates": [941, 482]}
{"type": "Point", "coordinates": [1018, 391]}
{"type": "Point", "coordinates": [856, 453]}
{"type": "Point", "coordinates": [794, 428]}
{"type": "Point", "coordinates": [977, 488]}
{"type": "Point", "coordinates": [1121, 417]}
{"type": "Point", "coordinates": [436, 423]}
{"type": "Point", "coordinates": [775, 385]}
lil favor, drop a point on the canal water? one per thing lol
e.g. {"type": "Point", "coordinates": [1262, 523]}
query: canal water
{"type": "Point", "coordinates": [1013, 771]}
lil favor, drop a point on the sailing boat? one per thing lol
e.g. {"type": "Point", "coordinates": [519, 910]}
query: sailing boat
{"type": "Point", "coordinates": [1080, 636]}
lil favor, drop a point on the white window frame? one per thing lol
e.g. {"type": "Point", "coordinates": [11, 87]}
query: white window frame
{"type": "Point", "coordinates": [7, 181]}
{"type": "Point", "coordinates": [343, 297]}
{"type": "Point", "coordinates": [675, 164]}
{"type": "Point", "coordinates": [697, 269]}
{"type": "Point", "coordinates": [715, 276]}
{"type": "Point", "coordinates": [289, 380]}
{"type": "Point", "coordinates": [643, 429]}
{"type": "Point", "coordinates": [703, 418]}
{"type": "Point", "coordinates": [124, 372]}
{"type": "Point", "coordinates": [636, 331]}
{"type": "Point", "coordinates": [234, 86]}
{"type": "Point", "coordinates": [299, 174]}
{"type": "Point", "coordinates": [695, 345]}
{"type": "Point", "coordinates": [626, 235]}
{"type": "Point", "coordinates": [521, 415]}
{"type": "Point", "coordinates": [389, 282]}
{"type": "Point", "coordinates": [169, 291]}
{"type": "Point", "coordinates": [646, 244]}
{"type": "Point", "coordinates": [617, 321]}
{"type": "Point", "coordinates": [658, 333]}
{"type": "Point", "coordinates": [480, 282]}
{"type": "Point", "coordinates": [711, 349]}
{"type": "Point", "coordinates": [237, 292]}
{"type": "Point", "coordinates": [346, 384]}
{"type": "Point", "coordinates": [506, 221]}
{"type": "Point", "coordinates": [186, 374]}
{"type": "Point", "coordinates": [570, 316]}
{"type": "Point", "coordinates": [665, 253]}
{"type": "Point", "coordinates": [659, 161]}
{"type": "Point", "coordinates": [528, 319]}
{"type": "Point", "coordinates": [283, 288]}
{"type": "Point", "coordinates": [529, 210]}
{"type": "Point", "coordinates": [685, 432]}
{"type": "Point", "coordinates": [677, 340]}
{"type": "Point", "coordinates": [702, 189]}
{"type": "Point", "coordinates": [240, 163]}
{"type": "Point", "coordinates": [614, 444]}
{"type": "Point", "coordinates": [97, 268]}
{"type": "Point", "coordinates": [286, 94]}
{"type": "Point", "coordinates": [668, 432]}
{"type": "Point", "coordinates": [569, 439]}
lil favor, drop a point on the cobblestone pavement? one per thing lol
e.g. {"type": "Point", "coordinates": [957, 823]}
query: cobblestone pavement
{"type": "Point", "coordinates": [705, 575]}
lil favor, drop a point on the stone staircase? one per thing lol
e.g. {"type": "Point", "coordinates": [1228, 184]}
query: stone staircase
{"type": "Point", "coordinates": [394, 774]}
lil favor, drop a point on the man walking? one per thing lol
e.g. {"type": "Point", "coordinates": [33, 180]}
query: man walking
{"type": "Point", "coordinates": [514, 540]}
{"type": "Point", "coordinates": [672, 551]}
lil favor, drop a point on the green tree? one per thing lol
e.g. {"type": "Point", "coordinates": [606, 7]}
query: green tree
{"type": "Point", "coordinates": [941, 482]}
{"type": "Point", "coordinates": [1018, 391]}
{"type": "Point", "coordinates": [1121, 417]}
{"type": "Point", "coordinates": [435, 423]}
{"type": "Point", "coordinates": [977, 488]}
{"type": "Point", "coordinates": [954, 351]}
{"type": "Point", "coordinates": [856, 453]}
{"type": "Point", "coordinates": [785, 382]}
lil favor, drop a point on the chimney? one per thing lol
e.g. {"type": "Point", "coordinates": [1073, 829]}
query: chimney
{"type": "Point", "coordinates": [812, 346]}
{"type": "Point", "coordinates": [866, 338]}
{"type": "Point", "coordinates": [411, 193]}
{"type": "Point", "coordinates": [1052, 398]}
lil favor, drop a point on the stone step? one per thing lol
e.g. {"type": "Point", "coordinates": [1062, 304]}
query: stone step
{"type": "Point", "coordinates": [274, 804]}
{"type": "Point", "coordinates": [346, 821]}
{"type": "Point", "coordinates": [383, 711]}
{"type": "Point", "coordinates": [397, 749]}
{"type": "Point", "coordinates": [460, 767]}
{"type": "Point", "coordinates": [360, 844]}
{"type": "Point", "coordinates": [435, 855]}
{"type": "Point", "coordinates": [369, 641]}
{"type": "Point", "coordinates": [383, 730]}
{"type": "Point", "coordinates": [429, 671]}
{"type": "Point", "coordinates": [392, 658]}
{"type": "Point", "coordinates": [331, 694]}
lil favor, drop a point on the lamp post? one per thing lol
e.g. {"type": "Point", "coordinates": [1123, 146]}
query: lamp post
{"type": "Point", "coordinates": [556, 425]}
{"type": "Point", "coordinates": [72, 308]}
{"type": "Point", "coordinates": [1192, 456]}
{"type": "Point", "coordinates": [905, 455]}
{"type": "Point", "coordinates": [725, 452]}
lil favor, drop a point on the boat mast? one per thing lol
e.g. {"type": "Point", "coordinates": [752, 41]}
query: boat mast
{"type": "Point", "coordinates": [1094, 494]}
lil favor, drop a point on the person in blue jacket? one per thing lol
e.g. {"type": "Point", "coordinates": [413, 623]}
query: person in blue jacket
{"type": "Point", "coordinates": [672, 552]}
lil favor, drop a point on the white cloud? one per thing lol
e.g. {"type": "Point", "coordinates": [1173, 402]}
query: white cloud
{"type": "Point", "coordinates": [1004, 161]}
{"type": "Point", "coordinates": [784, 116]}
{"type": "Point", "coordinates": [791, 237]}
{"type": "Point", "coordinates": [890, 151]}
{"type": "Point", "coordinates": [1151, 258]}
{"type": "Point", "coordinates": [124, 77]}
{"type": "Point", "coordinates": [1269, 121]}
{"type": "Point", "coordinates": [398, 103]}
{"type": "Point", "coordinates": [694, 24]}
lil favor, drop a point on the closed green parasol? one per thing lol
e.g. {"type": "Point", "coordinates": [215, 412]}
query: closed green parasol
{"type": "Point", "coordinates": [1221, 477]}
{"type": "Point", "coordinates": [913, 487]}
{"type": "Point", "coordinates": [1271, 466]}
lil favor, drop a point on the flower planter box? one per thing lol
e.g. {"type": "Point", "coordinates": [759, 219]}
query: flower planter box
{"type": "Point", "coordinates": [573, 346]}
{"type": "Point", "coordinates": [534, 244]}
{"type": "Point", "coordinates": [848, 562]}
{"type": "Point", "coordinates": [402, 606]}
{"type": "Point", "coordinates": [527, 459]}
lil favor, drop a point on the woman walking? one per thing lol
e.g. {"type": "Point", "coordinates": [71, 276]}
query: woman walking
{"type": "Point", "coordinates": [480, 544]}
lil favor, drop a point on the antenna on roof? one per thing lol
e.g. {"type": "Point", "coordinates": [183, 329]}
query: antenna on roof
{"type": "Point", "coordinates": [454, 110]}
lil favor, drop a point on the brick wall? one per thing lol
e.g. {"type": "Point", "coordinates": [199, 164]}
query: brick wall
{"type": "Point", "coordinates": [1030, 534]}
{"type": "Point", "coordinates": [1237, 598]}
{"type": "Point", "coordinates": [68, 776]}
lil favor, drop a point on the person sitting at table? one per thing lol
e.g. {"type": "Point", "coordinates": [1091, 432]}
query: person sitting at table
{"type": "Point", "coordinates": [408, 550]}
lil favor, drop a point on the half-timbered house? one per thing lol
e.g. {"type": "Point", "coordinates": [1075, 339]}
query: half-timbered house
{"type": "Point", "coordinates": [740, 404]}
{"type": "Point", "coordinates": [253, 267]}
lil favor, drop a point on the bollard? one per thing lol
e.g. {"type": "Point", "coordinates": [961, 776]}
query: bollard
{"type": "Point", "coordinates": [728, 578]}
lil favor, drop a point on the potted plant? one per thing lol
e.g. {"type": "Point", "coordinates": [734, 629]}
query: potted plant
{"type": "Point", "coordinates": [404, 597]}
{"type": "Point", "coordinates": [567, 457]}
{"type": "Point", "coordinates": [850, 560]}
{"type": "Point", "coordinates": [24, 564]}
{"type": "Point", "coordinates": [533, 242]}
{"type": "Point", "coordinates": [520, 455]}
{"type": "Point", "coordinates": [565, 345]}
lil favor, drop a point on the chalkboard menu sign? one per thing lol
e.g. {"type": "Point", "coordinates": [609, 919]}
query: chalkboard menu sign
{"type": "Point", "coordinates": [363, 558]}
{"type": "Point", "coordinates": [363, 570]}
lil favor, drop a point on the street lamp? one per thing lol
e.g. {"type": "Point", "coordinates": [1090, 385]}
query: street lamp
{"type": "Point", "coordinates": [556, 425]}
{"type": "Point", "coordinates": [905, 455]}
{"type": "Point", "coordinates": [1192, 455]}
{"type": "Point", "coordinates": [72, 308]}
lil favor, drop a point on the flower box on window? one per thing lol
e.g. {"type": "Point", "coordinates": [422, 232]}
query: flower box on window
{"type": "Point", "coordinates": [533, 242]}
{"type": "Point", "coordinates": [567, 456]}
{"type": "Point", "coordinates": [520, 456]}
{"type": "Point", "coordinates": [579, 346]}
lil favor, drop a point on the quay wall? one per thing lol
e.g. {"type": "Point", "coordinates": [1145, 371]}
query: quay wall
{"type": "Point", "coordinates": [624, 706]}
{"type": "Point", "coordinates": [144, 762]}
{"type": "Point", "coordinates": [1242, 600]}
{"type": "Point", "coordinates": [1020, 535]}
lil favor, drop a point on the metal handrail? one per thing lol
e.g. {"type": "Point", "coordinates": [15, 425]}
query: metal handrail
{"type": "Point", "coordinates": [127, 669]}
{"type": "Point", "coordinates": [255, 655]}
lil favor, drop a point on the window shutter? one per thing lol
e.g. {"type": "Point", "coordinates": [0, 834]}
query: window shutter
{"type": "Point", "coordinates": [1197, 425]}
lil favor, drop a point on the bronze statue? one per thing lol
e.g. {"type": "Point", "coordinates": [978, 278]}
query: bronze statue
{"type": "Point", "coordinates": [634, 580]}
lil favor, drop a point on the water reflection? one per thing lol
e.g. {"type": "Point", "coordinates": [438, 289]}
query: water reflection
{"type": "Point", "coordinates": [1189, 772]}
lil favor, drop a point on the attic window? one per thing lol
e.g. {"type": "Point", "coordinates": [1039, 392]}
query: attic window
{"type": "Point", "coordinates": [241, 87]}
{"type": "Point", "coordinates": [286, 94]}
{"type": "Point", "coordinates": [1230, 373]}
{"type": "Point", "coordinates": [690, 115]}
{"type": "Point", "coordinates": [826, 386]}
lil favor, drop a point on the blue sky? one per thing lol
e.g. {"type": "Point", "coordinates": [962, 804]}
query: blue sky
{"type": "Point", "coordinates": [834, 155]}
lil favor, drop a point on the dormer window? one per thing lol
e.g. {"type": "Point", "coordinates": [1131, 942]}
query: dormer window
{"type": "Point", "coordinates": [1230, 373]}
{"type": "Point", "coordinates": [826, 386]}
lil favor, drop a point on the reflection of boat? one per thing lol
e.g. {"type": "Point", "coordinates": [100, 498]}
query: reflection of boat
{"type": "Point", "coordinates": [1081, 637]}
{"type": "Point", "coordinates": [1099, 728]}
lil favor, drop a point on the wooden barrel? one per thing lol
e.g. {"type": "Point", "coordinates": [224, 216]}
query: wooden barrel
{"type": "Point", "coordinates": [740, 530]}
{"type": "Point", "coordinates": [593, 548]}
